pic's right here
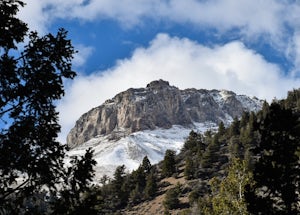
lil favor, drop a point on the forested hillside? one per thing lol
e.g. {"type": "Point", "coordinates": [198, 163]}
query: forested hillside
{"type": "Point", "coordinates": [251, 167]}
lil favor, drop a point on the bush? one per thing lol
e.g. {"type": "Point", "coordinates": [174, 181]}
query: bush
{"type": "Point", "coordinates": [172, 198]}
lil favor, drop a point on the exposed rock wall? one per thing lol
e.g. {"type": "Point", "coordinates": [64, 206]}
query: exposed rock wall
{"type": "Point", "coordinates": [158, 105]}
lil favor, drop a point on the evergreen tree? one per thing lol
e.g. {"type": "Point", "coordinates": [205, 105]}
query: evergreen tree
{"type": "Point", "coordinates": [189, 168]}
{"type": "Point", "coordinates": [228, 194]}
{"type": "Point", "coordinates": [235, 149]}
{"type": "Point", "coordinates": [151, 186]}
{"type": "Point", "coordinates": [276, 173]}
{"type": "Point", "coordinates": [221, 128]}
{"type": "Point", "coordinates": [146, 165]}
{"type": "Point", "coordinates": [75, 180]}
{"type": "Point", "coordinates": [138, 177]}
{"type": "Point", "coordinates": [244, 119]}
{"type": "Point", "coordinates": [234, 129]}
{"type": "Point", "coordinates": [135, 195]}
{"type": "Point", "coordinates": [169, 164]}
{"type": "Point", "coordinates": [194, 142]}
{"type": "Point", "coordinates": [211, 154]}
{"type": "Point", "coordinates": [118, 188]}
{"type": "Point", "coordinates": [171, 200]}
{"type": "Point", "coordinates": [30, 84]}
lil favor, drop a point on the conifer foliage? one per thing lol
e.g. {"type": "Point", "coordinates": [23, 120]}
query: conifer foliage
{"type": "Point", "coordinates": [169, 162]}
{"type": "Point", "coordinates": [228, 193]}
{"type": "Point", "coordinates": [276, 172]}
{"type": "Point", "coordinates": [31, 160]}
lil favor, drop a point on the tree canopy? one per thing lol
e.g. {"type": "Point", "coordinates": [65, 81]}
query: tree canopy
{"type": "Point", "coordinates": [31, 81]}
{"type": "Point", "coordinates": [276, 173]}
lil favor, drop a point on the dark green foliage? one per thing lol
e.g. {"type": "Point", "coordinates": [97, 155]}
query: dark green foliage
{"type": "Point", "coordinates": [90, 202]}
{"type": "Point", "coordinates": [136, 195]}
{"type": "Point", "coordinates": [172, 198]}
{"type": "Point", "coordinates": [151, 186]}
{"type": "Point", "coordinates": [30, 85]}
{"type": "Point", "coordinates": [221, 129]}
{"type": "Point", "coordinates": [124, 190]}
{"type": "Point", "coordinates": [234, 128]}
{"type": "Point", "coordinates": [169, 164]}
{"type": "Point", "coordinates": [76, 177]}
{"type": "Point", "coordinates": [204, 206]}
{"type": "Point", "coordinates": [119, 188]}
{"type": "Point", "coordinates": [146, 165]}
{"type": "Point", "coordinates": [194, 143]}
{"type": "Point", "coordinates": [244, 119]}
{"type": "Point", "coordinates": [265, 145]}
{"type": "Point", "coordinates": [228, 193]}
{"type": "Point", "coordinates": [12, 30]}
{"type": "Point", "coordinates": [276, 172]}
{"type": "Point", "coordinates": [211, 153]}
{"type": "Point", "coordinates": [235, 147]}
{"type": "Point", "coordinates": [272, 133]}
{"type": "Point", "coordinates": [138, 177]}
{"type": "Point", "coordinates": [138, 184]}
{"type": "Point", "coordinates": [189, 169]}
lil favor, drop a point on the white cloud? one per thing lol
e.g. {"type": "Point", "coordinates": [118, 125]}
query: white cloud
{"type": "Point", "coordinates": [293, 51]}
{"type": "Point", "coordinates": [34, 16]}
{"type": "Point", "coordinates": [250, 17]}
{"type": "Point", "coordinates": [182, 62]}
{"type": "Point", "coordinates": [84, 52]}
{"type": "Point", "coordinates": [273, 21]}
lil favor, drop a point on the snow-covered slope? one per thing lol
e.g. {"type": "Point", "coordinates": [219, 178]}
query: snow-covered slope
{"type": "Point", "coordinates": [148, 121]}
{"type": "Point", "coordinates": [131, 150]}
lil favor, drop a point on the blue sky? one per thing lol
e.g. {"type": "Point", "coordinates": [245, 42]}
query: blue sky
{"type": "Point", "coordinates": [249, 47]}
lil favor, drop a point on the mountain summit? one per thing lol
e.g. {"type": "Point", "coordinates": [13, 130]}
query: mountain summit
{"type": "Point", "coordinates": [147, 121]}
{"type": "Point", "coordinates": [159, 105]}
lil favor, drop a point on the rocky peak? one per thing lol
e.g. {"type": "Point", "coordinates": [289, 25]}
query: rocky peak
{"type": "Point", "coordinates": [159, 105]}
{"type": "Point", "coordinates": [159, 84]}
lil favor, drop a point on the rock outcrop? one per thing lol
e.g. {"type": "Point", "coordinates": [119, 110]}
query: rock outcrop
{"type": "Point", "coordinates": [158, 105]}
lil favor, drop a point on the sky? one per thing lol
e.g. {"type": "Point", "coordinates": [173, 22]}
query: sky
{"type": "Point", "coordinates": [249, 47]}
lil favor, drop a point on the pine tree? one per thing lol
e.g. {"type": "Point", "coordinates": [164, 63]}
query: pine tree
{"type": "Point", "coordinates": [221, 128]}
{"type": "Point", "coordinates": [151, 186]}
{"type": "Point", "coordinates": [234, 128]}
{"type": "Point", "coordinates": [31, 82]}
{"type": "Point", "coordinates": [171, 200]}
{"type": "Point", "coordinates": [135, 195]}
{"type": "Point", "coordinates": [235, 147]}
{"type": "Point", "coordinates": [189, 168]}
{"type": "Point", "coordinates": [138, 177]}
{"type": "Point", "coordinates": [169, 164]}
{"type": "Point", "coordinates": [194, 142]}
{"type": "Point", "coordinates": [211, 154]}
{"type": "Point", "coordinates": [146, 165]}
{"type": "Point", "coordinates": [118, 181]}
{"type": "Point", "coordinates": [228, 193]}
{"type": "Point", "coordinates": [276, 173]}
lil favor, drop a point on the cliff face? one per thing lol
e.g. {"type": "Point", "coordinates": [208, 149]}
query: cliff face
{"type": "Point", "coordinates": [158, 105]}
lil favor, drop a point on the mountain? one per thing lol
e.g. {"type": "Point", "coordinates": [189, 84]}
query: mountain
{"type": "Point", "coordinates": [147, 121]}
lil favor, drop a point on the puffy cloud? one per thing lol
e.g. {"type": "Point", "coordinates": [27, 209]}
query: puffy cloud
{"type": "Point", "coordinates": [84, 52]}
{"type": "Point", "coordinates": [275, 22]}
{"type": "Point", "coordinates": [182, 62]}
{"type": "Point", "coordinates": [33, 14]}
{"type": "Point", "coordinates": [250, 17]}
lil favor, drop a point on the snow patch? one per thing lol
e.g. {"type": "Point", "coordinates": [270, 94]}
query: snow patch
{"type": "Point", "coordinates": [251, 104]}
{"type": "Point", "coordinates": [131, 150]}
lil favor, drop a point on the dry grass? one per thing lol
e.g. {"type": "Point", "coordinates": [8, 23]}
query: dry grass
{"type": "Point", "coordinates": [155, 206]}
